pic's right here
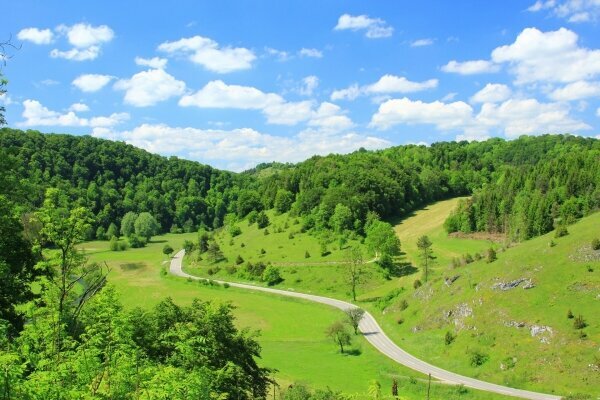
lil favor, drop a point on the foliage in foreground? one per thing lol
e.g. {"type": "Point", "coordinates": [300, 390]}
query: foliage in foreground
{"type": "Point", "coordinates": [169, 352]}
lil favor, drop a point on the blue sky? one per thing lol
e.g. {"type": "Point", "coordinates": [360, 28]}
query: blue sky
{"type": "Point", "coordinates": [236, 83]}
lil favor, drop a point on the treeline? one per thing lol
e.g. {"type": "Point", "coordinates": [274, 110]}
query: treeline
{"type": "Point", "coordinates": [113, 178]}
{"type": "Point", "coordinates": [546, 182]}
{"type": "Point", "coordinates": [520, 187]}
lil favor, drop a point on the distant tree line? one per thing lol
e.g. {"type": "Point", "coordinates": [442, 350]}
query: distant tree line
{"type": "Point", "coordinates": [521, 187]}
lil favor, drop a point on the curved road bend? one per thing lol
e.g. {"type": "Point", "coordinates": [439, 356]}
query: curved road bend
{"type": "Point", "coordinates": [375, 335]}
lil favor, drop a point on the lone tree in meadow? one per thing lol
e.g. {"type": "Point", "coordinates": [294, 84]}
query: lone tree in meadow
{"type": "Point", "coordinates": [382, 240]}
{"type": "Point", "coordinates": [354, 316]}
{"type": "Point", "coordinates": [340, 335]}
{"type": "Point", "coordinates": [146, 226]}
{"type": "Point", "coordinates": [355, 272]}
{"type": "Point", "coordinates": [424, 246]}
{"type": "Point", "coordinates": [167, 250]}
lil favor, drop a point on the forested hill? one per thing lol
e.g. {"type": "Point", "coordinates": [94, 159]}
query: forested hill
{"type": "Point", "coordinates": [112, 178]}
{"type": "Point", "coordinates": [509, 179]}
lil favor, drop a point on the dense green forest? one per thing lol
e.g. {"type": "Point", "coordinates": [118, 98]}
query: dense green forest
{"type": "Point", "coordinates": [519, 187]}
{"type": "Point", "coordinates": [547, 182]}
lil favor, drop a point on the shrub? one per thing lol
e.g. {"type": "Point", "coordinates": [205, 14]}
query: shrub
{"type": "Point", "coordinates": [239, 260]}
{"type": "Point", "coordinates": [561, 231]}
{"type": "Point", "coordinates": [167, 250]}
{"type": "Point", "coordinates": [231, 270]}
{"type": "Point", "coordinates": [477, 256]}
{"type": "Point", "coordinates": [478, 358]}
{"type": "Point", "coordinates": [271, 275]}
{"type": "Point", "coordinates": [263, 251]}
{"type": "Point", "coordinates": [403, 305]}
{"type": "Point", "coordinates": [136, 241]}
{"type": "Point", "coordinates": [579, 322]}
{"type": "Point", "coordinates": [266, 232]}
{"type": "Point", "coordinates": [306, 254]}
{"type": "Point", "coordinates": [101, 233]}
{"type": "Point", "coordinates": [113, 244]}
{"type": "Point", "coordinates": [291, 235]}
{"type": "Point", "coordinates": [596, 244]}
{"type": "Point", "coordinates": [400, 321]}
{"type": "Point", "coordinates": [468, 258]}
{"type": "Point", "coordinates": [235, 230]}
{"type": "Point", "coordinates": [122, 246]}
{"type": "Point", "coordinates": [324, 250]}
{"type": "Point", "coordinates": [552, 243]}
{"type": "Point", "coordinates": [188, 246]}
{"type": "Point", "coordinates": [255, 270]}
{"type": "Point", "coordinates": [570, 314]}
{"type": "Point", "coordinates": [226, 285]}
{"type": "Point", "coordinates": [491, 255]}
{"type": "Point", "coordinates": [449, 338]}
{"type": "Point", "coordinates": [417, 283]}
{"type": "Point", "coordinates": [456, 262]}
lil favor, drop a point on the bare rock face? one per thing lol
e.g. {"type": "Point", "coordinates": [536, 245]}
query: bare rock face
{"type": "Point", "coordinates": [450, 281]}
{"type": "Point", "coordinates": [513, 284]}
{"type": "Point", "coordinates": [528, 284]}
{"type": "Point", "coordinates": [542, 332]}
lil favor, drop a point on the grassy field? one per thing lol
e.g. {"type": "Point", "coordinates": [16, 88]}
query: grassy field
{"type": "Point", "coordinates": [284, 243]}
{"type": "Point", "coordinates": [430, 221]}
{"type": "Point", "coordinates": [524, 335]}
{"type": "Point", "coordinates": [497, 325]}
{"type": "Point", "coordinates": [292, 331]}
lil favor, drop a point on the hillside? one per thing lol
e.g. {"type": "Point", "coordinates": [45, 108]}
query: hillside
{"type": "Point", "coordinates": [523, 335]}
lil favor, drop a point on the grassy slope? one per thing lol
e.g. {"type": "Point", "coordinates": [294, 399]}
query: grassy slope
{"type": "Point", "coordinates": [539, 366]}
{"type": "Point", "coordinates": [563, 282]}
{"type": "Point", "coordinates": [291, 330]}
{"type": "Point", "coordinates": [429, 221]}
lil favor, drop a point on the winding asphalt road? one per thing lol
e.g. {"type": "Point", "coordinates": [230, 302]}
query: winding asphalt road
{"type": "Point", "coordinates": [375, 335]}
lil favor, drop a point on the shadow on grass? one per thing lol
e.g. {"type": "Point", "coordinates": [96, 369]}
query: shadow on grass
{"type": "Point", "coordinates": [353, 352]}
{"type": "Point", "coordinates": [402, 269]}
{"type": "Point", "coordinates": [157, 241]}
{"type": "Point", "coordinates": [132, 266]}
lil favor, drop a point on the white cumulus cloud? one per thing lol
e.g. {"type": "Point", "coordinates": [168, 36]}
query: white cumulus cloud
{"type": "Point", "coordinates": [309, 84]}
{"type": "Point", "coordinates": [422, 42]}
{"type": "Point", "coordinates": [91, 82]}
{"type": "Point", "coordinates": [576, 91]}
{"type": "Point", "coordinates": [79, 107]}
{"type": "Point", "coordinates": [374, 27]}
{"type": "Point", "coordinates": [444, 116]}
{"type": "Point", "coordinates": [492, 93]}
{"type": "Point", "coordinates": [154, 62]}
{"type": "Point", "coordinates": [86, 40]}
{"type": "Point", "coordinates": [35, 35]}
{"type": "Point", "coordinates": [529, 117]}
{"type": "Point", "coordinates": [210, 55]}
{"type": "Point", "coordinates": [218, 94]}
{"type": "Point", "coordinates": [571, 10]}
{"type": "Point", "coordinates": [553, 56]}
{"type": "Point", "coordinates": [36, 114]}
{"type": "Point", "coordinates": [471, 67]}
{"type": "Point", "coordinates": [150, 87]}
{"type": "Point", "coordinates": [239, 149]}
{"type": "Point", "coordinates": [513, 117]}
{"type": "Point", "coordinates": [315, 53]}
{"type": "Point", "coordinates": [387, 84]}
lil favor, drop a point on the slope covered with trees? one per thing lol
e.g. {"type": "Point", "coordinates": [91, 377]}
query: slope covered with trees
{"type": "Point", "coordinates": [520, 187]}
{"type": "Point", "coordinates": [545, 183]}
{"type": "Point", "coordinates": [112, 178]}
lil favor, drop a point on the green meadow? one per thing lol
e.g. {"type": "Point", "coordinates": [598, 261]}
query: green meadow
{"type": "Point", "coordinates": [292, 331]}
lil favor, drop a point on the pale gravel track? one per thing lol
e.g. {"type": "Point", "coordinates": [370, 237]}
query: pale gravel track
{"type": "Point", "coordinates": [375, 335]}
